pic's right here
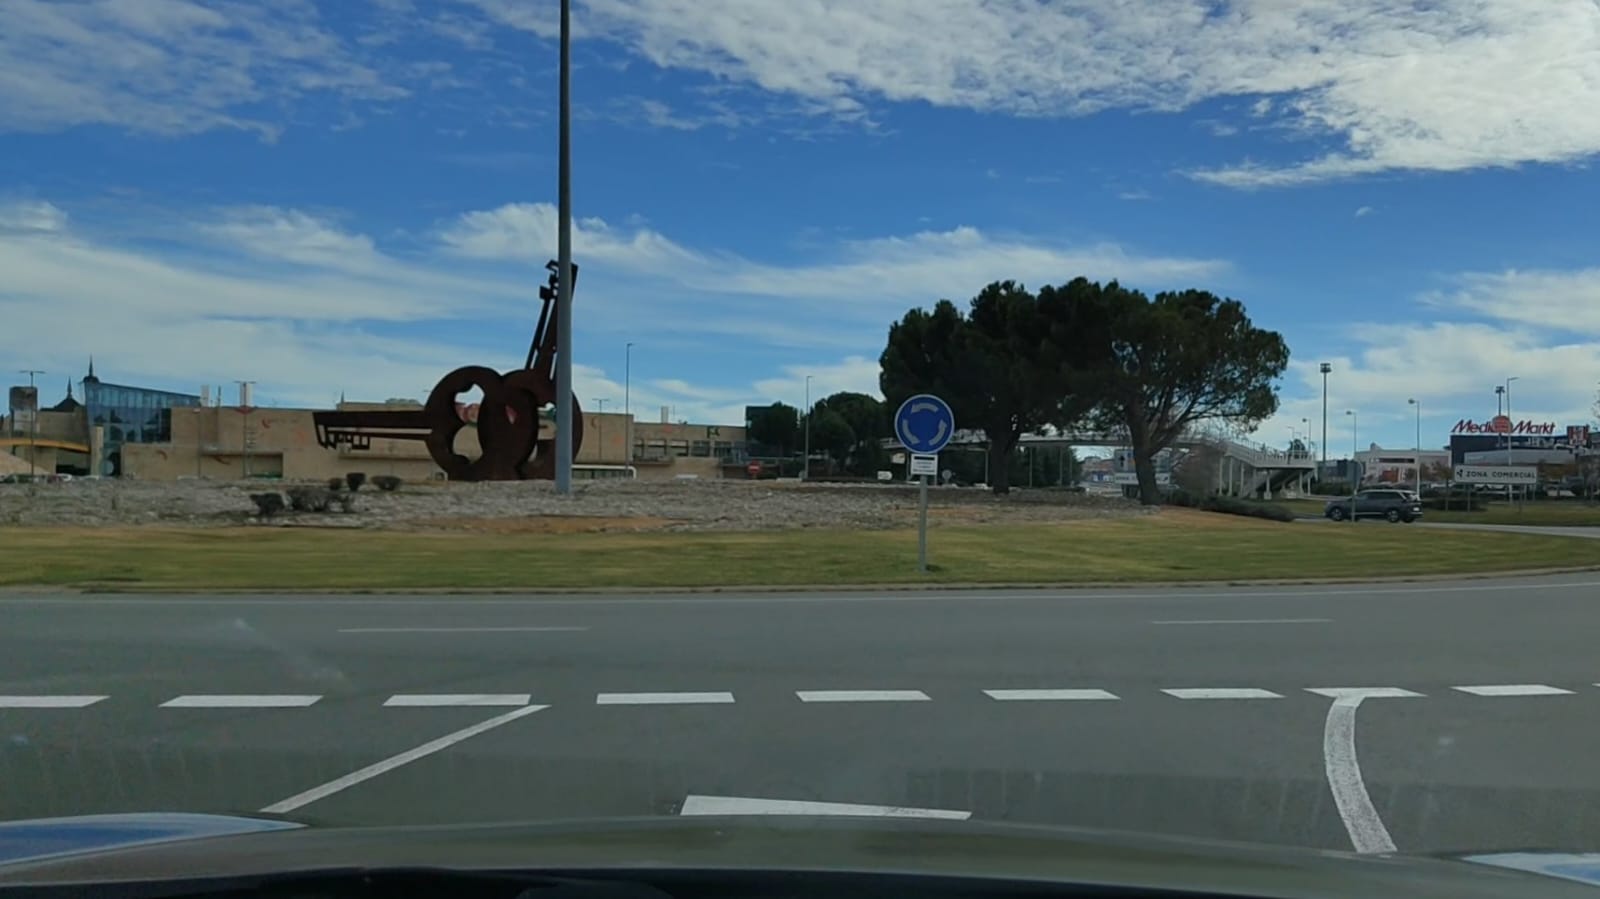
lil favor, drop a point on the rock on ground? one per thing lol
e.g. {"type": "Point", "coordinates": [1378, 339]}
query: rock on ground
{"type": "Point", "coordinates": [598, 505]}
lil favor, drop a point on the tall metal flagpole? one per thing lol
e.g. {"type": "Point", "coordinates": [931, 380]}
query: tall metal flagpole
{"type": "Point", "coordinates": [564, 393]}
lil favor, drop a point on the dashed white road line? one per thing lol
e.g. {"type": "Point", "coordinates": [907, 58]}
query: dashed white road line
{"type": "Point", "coordinates": [435, 700]}
{"type": "Point", "coordinates": [1514, 690]}
{"type": "Point", "coordinates": [1248, 621]}
{"type": "Point", "coordinates": [1363, 692]}
{"type": "Point", "coordinates": [739, 805]}
{"type": "Point", "coordinates": [389, 764]}
{"type": "Point", "coordinates": [1048, 695]}
{"type": "Point", "coordinates": [1361, 821]}
{"type": "Point", "coordinates": [241, 701]}
{"type": "Point", "coordinates": [1222, 693]}
{"type": "Point", "coordinates": [663, 698]}
{"type": "Point", "coordinates": [861, 695]}
{"type": "Point", "coordinates": [454, 630]}
{"type": "Point", "coordinates": [49, 702]}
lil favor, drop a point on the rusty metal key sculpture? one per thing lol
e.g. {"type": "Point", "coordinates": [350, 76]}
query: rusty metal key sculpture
{"type": "Point", "coordinates": [507, 420]}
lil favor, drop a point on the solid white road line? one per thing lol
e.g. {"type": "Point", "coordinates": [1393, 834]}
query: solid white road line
{"type": "Point", "coordinates": [49, 702]}
{"type": "Point", "coordinates": [241, 701]}
{"type": "Point", "coordinates": [389, 764]}
{"type": "Point", "coordinates": [861, 695]}
{"type": "Point", "coordinates": [1248, 621]}
{"type": "Point", "coordinates": [1361, 821]}
{"type": "Point", "coordinates": [1222, 693]}
{"type": "Point", "coordinates": [737, 805]}
{"type": "Point", "coordinates": [1514, 690]}
{"type": "Point", "coordinates": [1363, 692]}
{"type": "Point", "coordinates": [1048, 695]}
{"type": "Point", "coordinates": [431, 700]}
{"type": "Point", "coordinates": [662, 698]}
{"type": "Point", "coordinates": [454, 630]}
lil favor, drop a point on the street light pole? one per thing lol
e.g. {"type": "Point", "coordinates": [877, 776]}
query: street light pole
{"type": "Point", "coordinates": [600, 424]}
{"type": "Point", "coordinates": [806, 470]}
{"type": "Point", "coordinates": [627, 405]}
{"type": "Point", "coordinates": [1513, 492]}
{"type": "Point", "coordinates": [33, 421]}
{"type": "Point", "coordinates": [1417, 457]}
{"type": "Point", "coordinates": [1325, 368]}
{"type": "Point", "coordinates": [564, 391]}
{"type": "Point", "coordinates": [1355, 439]}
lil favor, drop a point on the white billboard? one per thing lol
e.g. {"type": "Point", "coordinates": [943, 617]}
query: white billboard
{"type": "Point", "coordinates": [1496, 474]}
{"type": "Point", "coordinates": [1132, 477]}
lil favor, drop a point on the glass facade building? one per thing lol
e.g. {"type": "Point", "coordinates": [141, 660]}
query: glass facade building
{"type": "Point", "coordinates": [130, 415]}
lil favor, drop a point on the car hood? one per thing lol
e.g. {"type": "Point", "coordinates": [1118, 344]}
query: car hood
{"type": "Point", "coordinates": [154, 847]}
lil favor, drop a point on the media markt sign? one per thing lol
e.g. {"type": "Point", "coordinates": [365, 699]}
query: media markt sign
{"type": "Point", "coordinates": [1496, 474]}
{"type": "Point", "coordinates": [1504, 425]}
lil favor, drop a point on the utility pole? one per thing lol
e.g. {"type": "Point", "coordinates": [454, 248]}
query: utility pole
{"type": "Point", "coordinates": [805, 474]}
{"type": "Point", "coordinates": [244, 423]}
{"type": "Point", "coordinates": [600, 424]}
{"type": "Point", "coordinates": [564, 391]}
{"type": "Point", "coordinates": [1355, 439]}
{"type": "Point", "coordinates": [33, 420]}
{"type": "Point", "coordinates": [627, 406]}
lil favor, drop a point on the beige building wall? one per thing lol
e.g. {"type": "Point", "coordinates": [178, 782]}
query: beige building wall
{"type": "Point", "coordinates": [219, 442]}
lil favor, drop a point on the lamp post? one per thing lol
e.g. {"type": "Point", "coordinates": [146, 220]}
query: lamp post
{"type": "Point", "coordinates": [564, 404]}
{"type": "Point", "coordinates": [1325, 368]}
{"type": "Point", "coordinates": [1355, 479]}
{"type": "Point", "coordinates": [805, 473]}
{"type": "Point", "coordinates": [600, 424]}
{"type": "Point", "coordinates": [627, 405]}
{"type": "Point", "coordinates": [33, 420]}
{"type": "Point", "coordinates": [1417, 453]}
{"type": "Point", "coordinates": [1513, 490]}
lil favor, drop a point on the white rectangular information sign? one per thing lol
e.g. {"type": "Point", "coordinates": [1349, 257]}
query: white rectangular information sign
{"type": "Point", "coordinates": [1496, 474]}
{"type": "Point", "coordinates": [924, 464]}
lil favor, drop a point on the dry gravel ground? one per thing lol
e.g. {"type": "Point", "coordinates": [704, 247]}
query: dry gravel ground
{"type": "Point", "coordinates": [534, 507]}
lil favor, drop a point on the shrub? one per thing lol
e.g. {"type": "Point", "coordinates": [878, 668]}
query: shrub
{"type": "Point", "coordinates": [355, 479]}
{"type": "Point", "coordinates": [300, 499]}
{"type": "Point", "coordinates": [335, 483]}
{"type": "Point", "coordinates": [347, 502]}
{"type": "Point", "coordinates": [267, 504]}
{"type": "Point", "coordinates": [1229, 505]}
{"type": "Point", "coordinates": [388, 483]}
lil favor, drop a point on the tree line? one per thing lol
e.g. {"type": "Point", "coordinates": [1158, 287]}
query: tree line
{"type": "Point", "coordinates": [1085, 354]}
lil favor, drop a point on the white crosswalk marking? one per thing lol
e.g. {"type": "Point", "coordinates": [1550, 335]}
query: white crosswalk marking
{"type": "Point", "coordinates": [1222, 693]}
{"type": "Point", "coordinates": [1514, 690]}
{"type": "Point", "coordinates": [241, 701]}
{"type": "Point", "coordinates": [49, 702]}
{"type": "Point", "coordinates": [1048, 695]}
{"type": "Point", "coordinates": [1363, 692]}
{"type": "Point", "coordinates": [663, 698]}
{"type": "Point", "coordinates": [433, 700]}
{"type": "Point", "coordinates": [862, 695]}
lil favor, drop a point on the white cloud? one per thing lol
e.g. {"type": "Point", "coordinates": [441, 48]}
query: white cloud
{"type": "Point", "coordinates": [527, 232]}
{"type": "Point", "coordinates": [33, 216]}
{"type": "Point", "coordinates": [1398, 86]}
{"type": "Point", "coordinates": [170, 66]}
{"type": "Point", "coordinates": [1565, 301]}
{"type": "Point", "coordinates": [854, 373]}
{"type": "Point", "coordinates": [1363, 211]}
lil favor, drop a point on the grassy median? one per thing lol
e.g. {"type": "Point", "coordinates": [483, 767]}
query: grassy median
{"type": "Point", "coordinates": [1175, 545]}
{"type": "Point", "coordinates": [1540, 514]}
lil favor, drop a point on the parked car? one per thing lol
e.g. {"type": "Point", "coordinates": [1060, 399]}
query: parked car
{"type": "Point", "coordinates": [1391, 505]}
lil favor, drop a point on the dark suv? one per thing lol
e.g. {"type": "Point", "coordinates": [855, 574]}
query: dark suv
{"type": "Point", "coordinates": [1390, 505]}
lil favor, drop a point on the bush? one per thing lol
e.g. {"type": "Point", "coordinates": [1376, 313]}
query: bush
{"type": "Point", "coordinates": [310, 499]}
{"type": "Point", "coordinates": [347, 502]}
{"type": "Point", "coordinates": [388, 483]}
{"type": "Point", "coordinates": [355, 479]}
{"type": "Point", "coordinates": [335, 484]}
{"type": "Point", "coordinates": [267, 504]}
{"type": "Point", "coordinates": [1229, 505]}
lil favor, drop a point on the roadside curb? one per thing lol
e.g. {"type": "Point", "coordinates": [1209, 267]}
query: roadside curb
{"type": "Point", "coordinates": [901, 587]}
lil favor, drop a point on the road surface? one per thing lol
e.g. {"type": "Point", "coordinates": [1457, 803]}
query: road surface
{"type": "Point", "coordinates": [1423, 717]}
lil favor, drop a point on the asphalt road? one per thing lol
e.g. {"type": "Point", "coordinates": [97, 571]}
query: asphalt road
{"type": "Point", "coordinates": [1222, 712]}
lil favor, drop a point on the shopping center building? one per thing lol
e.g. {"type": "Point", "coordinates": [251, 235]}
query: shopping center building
{"type": "Point", "coordinates": [117, 430]}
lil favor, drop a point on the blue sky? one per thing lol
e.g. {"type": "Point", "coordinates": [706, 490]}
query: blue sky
{"type": "Point", "coordinates": [357, 195]}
